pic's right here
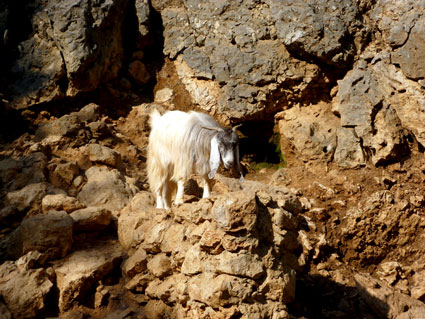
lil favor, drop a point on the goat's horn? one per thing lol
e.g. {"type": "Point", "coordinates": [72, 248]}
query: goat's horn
{"type": "Point", "coordinates": [218, 129]}
{"type": "Point", "coordinates": [237, 126]}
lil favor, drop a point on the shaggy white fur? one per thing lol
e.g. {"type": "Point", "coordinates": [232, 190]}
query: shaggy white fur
{"type": "Point", "coordinates": [181, 144]}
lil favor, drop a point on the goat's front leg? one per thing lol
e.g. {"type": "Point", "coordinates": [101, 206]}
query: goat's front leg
{"type": "Point", "coordinates": [166, 196]}
{"type": "Point", "coordinates": [159, 202]}
{"type": "Point", "coordinates": [206, 185]}
{"type": "Point", "coordinates": [180, 193]}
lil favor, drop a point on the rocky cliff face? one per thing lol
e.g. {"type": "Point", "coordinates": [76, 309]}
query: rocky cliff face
{"type": "Point", "coordinates": [339, 86]}
{"type": "Point", "coordinates": [240, 62]}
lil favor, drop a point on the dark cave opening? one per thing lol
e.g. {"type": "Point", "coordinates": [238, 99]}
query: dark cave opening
{"type": "Point", "coordinates": [260, 144]}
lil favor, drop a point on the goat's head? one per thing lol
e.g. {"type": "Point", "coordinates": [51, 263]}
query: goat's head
{"type": "Point", "coordinates": [225, 147]}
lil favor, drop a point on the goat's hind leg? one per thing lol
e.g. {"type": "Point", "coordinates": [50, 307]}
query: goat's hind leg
{"type": "Point", "coordinates": [159, 202]}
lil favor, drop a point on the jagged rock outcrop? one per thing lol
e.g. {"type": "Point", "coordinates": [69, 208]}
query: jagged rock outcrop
{"type": "Point", "coordinates": [385, 302]}
{"type": "Point", "coordinates": [344, 81]}
{"type": "Point", "coordinates": [106, 188]}
{"type": "Point", "coordinates": [76, 274]}
{"type": "Point", "coordinates": [225, 252]}
{"type": "Point", "coordinates": [380, 101]}
{"type": "Point", "coordinates": [25, 287]}
{"type": "Point", "coordinates": [238, 60]}
{"type": "Point", "coordinates": [73, 47]}
{"type": "Point", "coordinates": [49, 234]}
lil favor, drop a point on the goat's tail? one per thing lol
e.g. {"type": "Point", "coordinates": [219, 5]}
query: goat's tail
{"type": "Point", "coordinates": [154, 117]}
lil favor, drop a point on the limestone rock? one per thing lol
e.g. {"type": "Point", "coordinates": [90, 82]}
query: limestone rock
{"type": "Point", "coordinates": [240, 265]}
{"type": "Point", "coordinates": [39, 69]}
{"type": "Point", "coordinates": [106, 188]}
{"type": "Point", "coordinates": [143, 12]}
{"type": "Point", "coordinates": [385, 301]}
{"type": "Point", "coordinates": [63, 174]}
{"type": "Point", "coordinates": [411, 56]}
{"type": "Point", "coordinates": [349, 153]}
{"type": "Point", "coordinates": [82, 269]}
{"type": "Point", "coordinates": [61, 52]}
{"type": "Point", "coordinates": [205, 255]}
{"type": "Point", "coordinates": [16, 173]}
{"type": "Point", "coordinates": [130, 227]}
{"type": "Point", "coordinates": [159, 265]}
{"type": "Point", "coordinates": [89, 113]}
{"type": "Point", "coordinates": [418, 289]}
{"type": "Point", "coordinates": [279, 286]}
{"type": "Point", "coordinates": [91, 219]}
{"type": "Point", "coordinates": [311, 131]}
{"type": "Point", "coordinates": [401, 24]}
{"type": "Point", "coordinates": [170, 289]}
{"type": "Point", "coordinates": [133, 220]}
{"type": "Point", "coordinates": [364, 107]}
{"type": "Point", "coordinates": [164, 96]}
{"type": "Point", "coordinates": [50, 234]}
{"type": "Point", "coordinates": [260, 67]}
{"type": "Point", "coordinates": [299, 25]}
{"type": "Point", "coordinates": [236, 211]}
{"type": "Point", "coordinates": [104, 155]}
{"type": "Point", "coordinates": [29, 196]}
{"type": "Point", "coordinates": [135, 264]}
{"type": "Point", "coordinates": [60, 202]}
{"type": "Point", "coordinates": [65, 126]}
{"type": "Point", "coordinates": [25, 291]}
{"type": "Point", "coordinates": [219, 290]}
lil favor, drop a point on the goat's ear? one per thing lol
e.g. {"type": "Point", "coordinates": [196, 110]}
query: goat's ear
{"type": "Point", "coordinates": [238, 164]}
{"type": "Point", "coordinates": [214, 157]}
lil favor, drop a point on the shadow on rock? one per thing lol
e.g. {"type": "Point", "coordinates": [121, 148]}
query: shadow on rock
{"type": "Point", "coordinates": [321, 297]}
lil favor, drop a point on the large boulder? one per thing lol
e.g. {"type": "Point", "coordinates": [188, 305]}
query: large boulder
{"type": "Point", "coordinates": [50, 234]}
{"type": "Point", "coordinates": [103, 155]}
{"type": "Point", "coordinates": [74, 47]}
{"type": "Point", "coordinates": [384, 301]}
{"type": "Point", "coordinates": [16, 173]}
{"type": "Point", "coordinates": [310, 131]}
{"type": "Point", "coordinates": [401, 24]}
{"type": "Point", "coordinates": [106, 188]}
{"type": "Point", "coordinates": [234, 58]}
{"type": "Point", "coordinates": [25, 290]}
{"type": "Point", "coordinates": [78, 273]}
{"type": "Point", "coordinates": [28, 197]}
{"type": "Point", "coordinates": [91, 219]}
{"type": "Point", "coordinates": [381, 107]}
{"type": "Point", "coordinates": [381, 100]}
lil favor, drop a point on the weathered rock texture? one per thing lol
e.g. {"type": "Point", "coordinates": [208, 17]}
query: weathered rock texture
{"type": "Point", "coordinates": [106, 188]}
{"type": "Point", "coordinates": [230, 252]}
{"type": "Point", "coordinates": [73, 47]}
{"type": "Point", "coordinates": [24, 288]}
{"type": "Point", "coordinates": [241, 59]}
{"type": "Point", "coordinates": [50, 234]}
{"type": "Point", "coordinates": [344, 82]}
{"type": "Point", "coordinates": [390, 304]}
{"type": "Point", "coordinates": [77, 274]}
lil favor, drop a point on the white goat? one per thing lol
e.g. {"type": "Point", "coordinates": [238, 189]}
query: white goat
{"type": "Point", "coordinates": [181, 144]}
